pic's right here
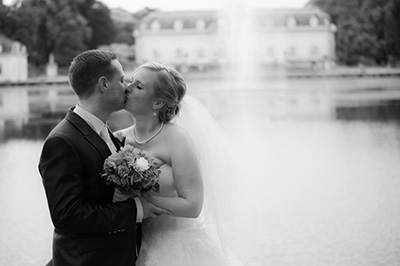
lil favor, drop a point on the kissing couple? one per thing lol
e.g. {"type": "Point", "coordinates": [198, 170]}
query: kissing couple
{"type": "Point", "coordinates": [95, 224]}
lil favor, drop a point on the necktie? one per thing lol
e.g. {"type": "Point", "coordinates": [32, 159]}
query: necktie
{"type": "Point", "coordinates": [104, 134]}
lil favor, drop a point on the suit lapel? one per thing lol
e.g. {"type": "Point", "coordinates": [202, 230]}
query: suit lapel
{"type": "Point", "coordinates": [88, 133]}
{"type": "Point", "coordinates": [118, 144]}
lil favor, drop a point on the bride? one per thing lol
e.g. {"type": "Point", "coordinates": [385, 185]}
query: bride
{"type": "Point", "coordinates": [195, 179]}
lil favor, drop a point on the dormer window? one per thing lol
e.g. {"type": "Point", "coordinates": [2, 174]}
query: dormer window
{"type": "Point", "coordinates": [15, 47]}
{"type": "Point", "coordinates": [178, 25]}
{"type": "Point", "coordinates": [155, 25]}
{"type": "Point", "coordinates": [291, 22]}
{"type": "Point", "coordinates": [200, 24]}
{"type": "Point", "coordinates": [313, 21]}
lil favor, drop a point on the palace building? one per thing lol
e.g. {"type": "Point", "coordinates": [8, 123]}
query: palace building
{"type": "Point", "coordinates": [288, 37]}
{"type": "Point", "coordinates": [13, 60]}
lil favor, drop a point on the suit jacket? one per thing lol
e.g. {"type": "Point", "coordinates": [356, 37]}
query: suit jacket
{"type": "Point", "coordinates": [89, 228]}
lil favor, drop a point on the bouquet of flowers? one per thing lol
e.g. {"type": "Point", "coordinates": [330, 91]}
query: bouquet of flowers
{"type": "Point", "coordinates": [132, 170]}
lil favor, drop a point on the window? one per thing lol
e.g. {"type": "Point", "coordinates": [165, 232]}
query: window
{"type": "Point", "coordinates": [313, 21]}
{"type": "Point", "coordinates": [200, 24]}
{"type": "Point", "coordinates": [178, 25]}
{"type": "Point", "coordinates": [155, 25]}
{"type": "Point", "coordinates": [15, 47]}
{"type": "Point", "coordinates": [291, 22]}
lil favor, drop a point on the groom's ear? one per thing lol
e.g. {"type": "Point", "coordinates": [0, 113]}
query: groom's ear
{"type": "Point", "coordinates": [102, 83]}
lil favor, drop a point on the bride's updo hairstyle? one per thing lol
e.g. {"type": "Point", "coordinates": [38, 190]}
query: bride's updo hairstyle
{"type": "Point", "coordinates": [169, 88]}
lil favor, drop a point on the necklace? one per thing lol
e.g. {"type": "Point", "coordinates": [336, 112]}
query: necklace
{"type": "Point", "coordinates": [150, 138]}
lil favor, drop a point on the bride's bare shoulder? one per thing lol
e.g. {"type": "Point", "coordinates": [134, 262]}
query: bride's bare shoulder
{"type": "Point", "coordinates": [175, 132]}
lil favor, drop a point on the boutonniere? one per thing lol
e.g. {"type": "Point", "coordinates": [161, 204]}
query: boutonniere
{"type": "Point", "coordinates": [121, 138]}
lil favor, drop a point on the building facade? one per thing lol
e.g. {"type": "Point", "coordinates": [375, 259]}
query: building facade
{"type": "Point", "coordinates": [291, 37]}
{"type": "Point", "coordinates": [13, 60]}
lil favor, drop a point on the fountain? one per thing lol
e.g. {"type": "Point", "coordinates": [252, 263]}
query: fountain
{"type": "Point", "coordinates": [238, 41]}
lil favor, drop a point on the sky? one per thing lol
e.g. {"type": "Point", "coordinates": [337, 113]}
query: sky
{"type": "Point", "coordinates": [136, 5]}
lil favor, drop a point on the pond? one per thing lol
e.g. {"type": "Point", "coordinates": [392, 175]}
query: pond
{"type": "Point", "coordinates": [318, 163]}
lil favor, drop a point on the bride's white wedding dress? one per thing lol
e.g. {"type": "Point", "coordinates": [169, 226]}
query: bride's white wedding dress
{"type": "Point", "coordinates": [176, 241]}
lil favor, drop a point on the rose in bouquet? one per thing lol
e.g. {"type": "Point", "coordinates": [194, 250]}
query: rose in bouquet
{"type": "Point", "coordinates": [132, 170]}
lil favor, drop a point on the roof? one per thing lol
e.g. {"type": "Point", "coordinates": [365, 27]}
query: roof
{"type": "Point", "coordinates": [189, 19]}
{"type": "Point", "coordinates": [280, 17]}
{"type": "Point", "coordinates": [123, 16]}
{"type": "Point", "coordinates": [6, 43]}
{"type": "Point", "coordinates": [308, 16]}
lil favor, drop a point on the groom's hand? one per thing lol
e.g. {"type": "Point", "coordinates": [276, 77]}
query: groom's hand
{"type": "Point", "coordinates": [120, 196]}
{"type": "Point", "coordinates": [150, 210]}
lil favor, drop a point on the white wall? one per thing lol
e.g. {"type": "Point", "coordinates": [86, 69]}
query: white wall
{"type": "Point", "coordinates": [14, 67]}
{"type": "Point", "coordinates": [269, 45]}
{"type": "Point", "coordinates": [167, 45]}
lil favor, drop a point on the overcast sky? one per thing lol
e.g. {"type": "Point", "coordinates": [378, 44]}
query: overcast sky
{"type": "Point", "coordinates": [136, 5]}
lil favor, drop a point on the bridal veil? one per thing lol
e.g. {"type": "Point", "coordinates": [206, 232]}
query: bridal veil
{"type": "Point", "coordinates": [216, 164]}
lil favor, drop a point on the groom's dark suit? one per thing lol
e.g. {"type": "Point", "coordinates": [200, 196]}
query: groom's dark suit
{"type": "Point", "coordinates": [89, 228]}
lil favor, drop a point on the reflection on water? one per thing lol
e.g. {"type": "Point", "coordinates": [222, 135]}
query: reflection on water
{"type": "Point", "coordinates": [314, 190]}
{"type": "Point", "coordinates": [323, 194]}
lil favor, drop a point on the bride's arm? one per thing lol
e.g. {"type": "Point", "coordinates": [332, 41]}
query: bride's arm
{"type": "Point", "coordinates": [187, 178]}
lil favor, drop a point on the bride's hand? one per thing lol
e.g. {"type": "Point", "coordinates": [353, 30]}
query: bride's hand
{"type": "Point", "coordinates": [120, 196]}
{"type": "Point", "coordinates": [150, 210]}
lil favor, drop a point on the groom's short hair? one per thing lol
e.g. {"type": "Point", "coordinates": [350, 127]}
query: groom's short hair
{"type": "Point", "coordinates": [86, 69]}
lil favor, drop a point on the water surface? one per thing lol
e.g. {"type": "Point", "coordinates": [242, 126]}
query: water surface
{"type": "Point", "coordinates": [312, 189]}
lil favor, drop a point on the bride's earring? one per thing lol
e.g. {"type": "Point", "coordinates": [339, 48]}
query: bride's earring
{"type": "Point", "coordinates": [156, 107]}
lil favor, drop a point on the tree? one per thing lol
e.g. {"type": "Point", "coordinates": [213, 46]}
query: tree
{"type": "Point", "coordinates": [392, 33]}
{"type": "Point", "coordinates": [100, 21]}
{"type": "Point", "coordinates": [68, 31]}
{"type": "Point", "coordinates": [124, 33]}
{"type": "Point", "coordinates": [362, 29]}
{"type": "Point", "coordinates": [62, 27]}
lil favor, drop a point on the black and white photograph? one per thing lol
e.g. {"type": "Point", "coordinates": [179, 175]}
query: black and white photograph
{"type": "Point", "coordinates": [199, 133]}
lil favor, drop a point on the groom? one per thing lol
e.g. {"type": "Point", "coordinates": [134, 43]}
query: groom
{"type": "Point", "coordinates": [89, 228]}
